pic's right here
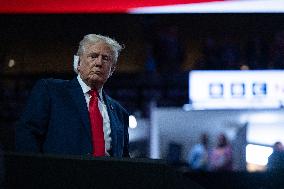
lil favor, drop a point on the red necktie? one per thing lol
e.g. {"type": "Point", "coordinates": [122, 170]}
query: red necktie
{"type": "Point", "coordinates": [96, 121]}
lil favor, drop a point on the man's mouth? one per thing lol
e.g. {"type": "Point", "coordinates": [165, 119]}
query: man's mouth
{"type": "Point", "coordinates": [96, 72]}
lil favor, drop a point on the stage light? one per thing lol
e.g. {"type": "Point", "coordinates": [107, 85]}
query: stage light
{"type": "Point", "coordinates": [257, 154]}
{"type": "Point", "coordinates": [11, 63]}
{"type": "Point", "coordinates": [132, 122]}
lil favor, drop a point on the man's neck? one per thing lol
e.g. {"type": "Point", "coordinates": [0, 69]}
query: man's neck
{"type": "Point", "coordinates": [85, 87]}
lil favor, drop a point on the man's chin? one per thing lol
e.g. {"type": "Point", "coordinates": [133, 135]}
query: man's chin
{"type": "Point", "coordinates": [95, 81]}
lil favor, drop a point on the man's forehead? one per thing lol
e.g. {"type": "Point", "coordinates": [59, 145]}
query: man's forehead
{"type": "Point", "coordinates": [98, 47]}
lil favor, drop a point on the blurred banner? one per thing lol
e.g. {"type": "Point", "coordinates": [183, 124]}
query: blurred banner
{"type": "Point", "coordinates": [236, 89]}
{"type": "Point", "coordinates": [141, 7]}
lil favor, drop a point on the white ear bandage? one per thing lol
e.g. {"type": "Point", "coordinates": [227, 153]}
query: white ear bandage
{"type": "Point", "coordinates": [75, 63]}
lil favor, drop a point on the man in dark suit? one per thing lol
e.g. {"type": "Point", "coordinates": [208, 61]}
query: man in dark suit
{"type": "Point", "coordinates": [59, 116]}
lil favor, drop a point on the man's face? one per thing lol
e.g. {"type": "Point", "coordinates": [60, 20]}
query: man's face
{"type": "Point", "coordinates": [96, 64]}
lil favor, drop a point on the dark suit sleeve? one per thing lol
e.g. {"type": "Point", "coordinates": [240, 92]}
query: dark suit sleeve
{"type": "Point", "coordinates": [32, 126]}
{"type": "Point", "coordinates": [126, 136]}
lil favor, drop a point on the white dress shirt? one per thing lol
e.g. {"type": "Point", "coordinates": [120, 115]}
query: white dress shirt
{"type": "Point", "coordinates": [103, 110]}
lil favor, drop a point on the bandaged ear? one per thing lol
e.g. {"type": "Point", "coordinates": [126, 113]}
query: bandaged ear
{"type": "Point", "coordinates": [112, 70]}
{"type": "Point", "coordinates": [76, 63]}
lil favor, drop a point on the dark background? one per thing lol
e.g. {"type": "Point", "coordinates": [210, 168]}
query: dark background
{"type": "Point", "coordinates": [43, 45]}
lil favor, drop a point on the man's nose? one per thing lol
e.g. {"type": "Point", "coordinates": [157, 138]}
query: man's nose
{"type": "Point", "coordinates": [99, 61]}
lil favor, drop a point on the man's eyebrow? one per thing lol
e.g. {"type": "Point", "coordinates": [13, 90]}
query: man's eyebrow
{"type": "Point", "coordinates": [96, 54]}
{"type": "Point", "coordinates": [92, 53]}
{"type": "Point", "coordinates": [103, 54]}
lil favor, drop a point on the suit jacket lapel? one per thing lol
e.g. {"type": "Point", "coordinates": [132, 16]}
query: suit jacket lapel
{"type": "Point", "coordinates": [112, 119]}
{"type": "Point", "coordinates": [80, 102]}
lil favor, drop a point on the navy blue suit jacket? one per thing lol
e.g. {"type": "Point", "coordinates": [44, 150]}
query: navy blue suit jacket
{"type": "Point", "coordinates": [56, 121]}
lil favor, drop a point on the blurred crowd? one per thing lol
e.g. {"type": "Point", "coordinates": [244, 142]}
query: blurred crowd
{"type": "Point", "coordinates": [166, 52]}
{"type": "Point", "coordinates": [276, 159]}
{"type": "Point", "coordinates": [255, 53]}
{"type": "Point", "coordinates": [219, 158]}
{"type": "Point", "coordinates": [201, 158]}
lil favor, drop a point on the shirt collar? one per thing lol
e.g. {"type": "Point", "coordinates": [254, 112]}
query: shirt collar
{"type": "Point", "coordinates": [86, 88]}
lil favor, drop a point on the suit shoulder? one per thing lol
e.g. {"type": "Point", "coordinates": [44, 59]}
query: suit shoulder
{"type": "Point", "coordinates": [51, 82]}
{"type": "Point", "coordinates": [55, 81]}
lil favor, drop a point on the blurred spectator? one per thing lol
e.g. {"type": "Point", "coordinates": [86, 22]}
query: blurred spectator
{"type": "Point", "coordinates": [150, 64]}
{"type": "Point", "coordinates": [174, 153]}
{"type": "Point", "coordinates": [168, 50]}
{"type": "Point", "coordinates": [276, 159]}
{"type": "Point", "coordinates": [256, 53]}
{"type": "Point", "coordinates": [210, 59]}
{"type": "Point", "coordinates": [230, 54]}
{"type": "Point", "coordinates": [198, 156]}
{"type": "Point", "coordinates": [277, 51]}
{"type": "Point", "coordinates": [221, 157]}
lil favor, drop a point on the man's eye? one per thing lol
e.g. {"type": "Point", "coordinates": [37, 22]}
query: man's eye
{"type": "Point", "coordinates": [106, 58]}
{"type": "Point", "coordinates": [93, 56]}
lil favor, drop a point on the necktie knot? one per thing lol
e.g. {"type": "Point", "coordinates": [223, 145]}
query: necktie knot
{"type": "Point", "coordinates": [93, 93]}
